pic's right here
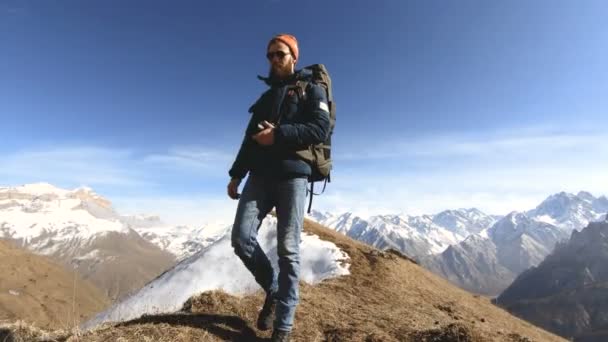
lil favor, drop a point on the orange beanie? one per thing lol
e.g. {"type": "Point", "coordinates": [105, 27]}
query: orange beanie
{"type": "Point", "coordinates": [288, 40]}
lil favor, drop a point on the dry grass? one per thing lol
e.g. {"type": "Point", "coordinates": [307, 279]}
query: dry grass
{"type": "Point", "coordinates": [387, 297]}
{"type": "Point", "coordinates": [26, 332]}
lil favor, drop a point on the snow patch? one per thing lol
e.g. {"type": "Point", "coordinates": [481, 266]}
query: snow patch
{"type": "Point", "coordinates": [35, 189]}
{"type": "Point", "coordinates": [92, 255]}
{"type": "Point", "coordinates": [484, 233]}
{"type": "Point", "coordinates": [546, 219]}
{"type": "Point", "coordinates": [217, 267]}
{"type": "Point", "coordinates": [183, 241]}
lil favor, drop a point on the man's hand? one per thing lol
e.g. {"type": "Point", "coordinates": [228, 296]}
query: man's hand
{"type": "Point", "coordinates": [233, 188]}
{"type": "Point", "coordinates": [266, 136]}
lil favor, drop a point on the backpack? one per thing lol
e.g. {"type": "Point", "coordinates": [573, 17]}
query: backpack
{"type": "Point", "coordinates": [319, 155]}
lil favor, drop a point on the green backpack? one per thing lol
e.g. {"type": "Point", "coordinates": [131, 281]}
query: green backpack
{"type": "Point", "coordinates": [319, 155]}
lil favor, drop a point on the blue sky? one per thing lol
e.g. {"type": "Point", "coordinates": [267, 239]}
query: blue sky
{"type": "Point", "coordinates": [441, 104]}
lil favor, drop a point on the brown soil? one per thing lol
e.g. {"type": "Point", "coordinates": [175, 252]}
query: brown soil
{"type": "Point", "coordinates": [36, 290]}
{"type": "Point", "coordinates": [125, 262]}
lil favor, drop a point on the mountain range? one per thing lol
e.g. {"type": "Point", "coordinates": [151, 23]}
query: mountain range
{"type": "Point", "coordinates": [81, 230]}
{"type": "Point", "coordinates": [567, 293]}
{"type": "Point", "coordinates": [415, 236]}
{"type": "Point", "coordinates": [479, 252]}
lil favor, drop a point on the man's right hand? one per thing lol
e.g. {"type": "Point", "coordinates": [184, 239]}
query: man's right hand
{"type": "Point", "coordinates": [233, 188]}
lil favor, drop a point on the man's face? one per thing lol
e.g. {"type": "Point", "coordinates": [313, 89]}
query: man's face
{"type": "Point", "coordinates": [281, 61]}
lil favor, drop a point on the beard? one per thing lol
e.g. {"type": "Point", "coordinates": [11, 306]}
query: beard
{"type": "Point", "coordinates": [279, 72]}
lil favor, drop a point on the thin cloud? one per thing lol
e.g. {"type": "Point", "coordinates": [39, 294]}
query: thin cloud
{"type": "Point", "coordinates": [71, 165]}
{"type": "Point", "coordinates": [196, 159]}
{"type": "Point", "coordinates": [194, 210]}
{"type": "Point", "coordinates": [481, 145]}
{"type": "Point", "coordinates": [497, 174]}
{"type": "Point", "coordinates": [106, 166]}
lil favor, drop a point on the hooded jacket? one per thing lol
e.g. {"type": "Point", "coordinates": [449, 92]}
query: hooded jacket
{"type": "Point", "coordinates": [298, 125]}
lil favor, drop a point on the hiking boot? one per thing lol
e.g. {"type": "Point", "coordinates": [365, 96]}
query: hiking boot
{"type": "Point", "coordinates": [267, 314]}
{"type": "Point", "coordinates": [280, 336]}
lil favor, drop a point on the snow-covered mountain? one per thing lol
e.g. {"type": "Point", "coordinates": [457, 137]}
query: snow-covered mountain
{"type": "Point", "coordinates": [80, 229]}
{"type": "Point", "coordinates": [490, 262]}
{"type": "Point", "coordinates": [523, 242]}
{"type": "Point", "coordinates": [181, 241]}
{"type": "Point", "coordinates": [318, 216]}
{"type": "Point", "coordinates": [32, 210]}
{"type": "Point", "coordinates": [416, 236]}
{"type": "Point", "coordinates": [472, 264]}
{"type": "Point", "coordinates": [464, 221]}
{"type": "Point", "coordinates": [570, 211]}
{"type": "Point", "coordinates": [216, 267]}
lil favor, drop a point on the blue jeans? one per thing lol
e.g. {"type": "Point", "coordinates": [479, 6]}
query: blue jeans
{"type": "Point", "coordinates": [259, 196]}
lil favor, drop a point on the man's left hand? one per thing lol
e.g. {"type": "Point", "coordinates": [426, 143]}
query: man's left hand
{"type": "Point", "coordinates": [265, 137]}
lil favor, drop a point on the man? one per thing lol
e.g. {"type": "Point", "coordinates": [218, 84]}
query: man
{"type": "Point", "coordinates": [282, 122]}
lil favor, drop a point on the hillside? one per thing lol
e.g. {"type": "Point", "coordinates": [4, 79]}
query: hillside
{"type": "Point", "coordinates": [81, 230]}
{"type": "Point", "coordinates": [36, 290]}
{"type": "Point", "coordinates": [386, 297]}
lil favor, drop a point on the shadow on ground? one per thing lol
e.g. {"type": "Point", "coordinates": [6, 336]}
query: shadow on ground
{"type": "Point", "coordinates": [6, 335]}
{"type": "Point", "coordinates": [228, 328]}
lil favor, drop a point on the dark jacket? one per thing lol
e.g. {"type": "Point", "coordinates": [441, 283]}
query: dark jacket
{"type": "Point", "coordinates": [298, 126]}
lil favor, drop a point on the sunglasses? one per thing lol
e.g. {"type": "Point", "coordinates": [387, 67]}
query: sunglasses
{"type": "Point", "coordinates": [280, 54]}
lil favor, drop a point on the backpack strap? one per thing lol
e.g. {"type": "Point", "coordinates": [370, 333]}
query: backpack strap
{"type": "Point", "coordinates": [301, 89]}
{"type": "Point", "coordinates": [312, 188]}
{"type": "Point", "coordinates": [312, 191]}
